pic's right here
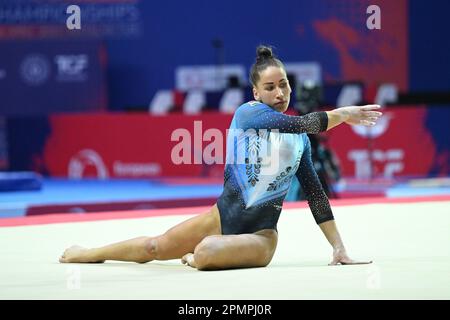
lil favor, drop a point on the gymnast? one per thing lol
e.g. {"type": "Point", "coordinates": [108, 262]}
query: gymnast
{"type": "Point", "coordinates": [240, 229]}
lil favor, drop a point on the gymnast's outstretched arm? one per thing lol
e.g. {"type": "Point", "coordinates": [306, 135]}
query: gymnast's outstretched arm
{"type": "Point", "coordinates": [260, 116]}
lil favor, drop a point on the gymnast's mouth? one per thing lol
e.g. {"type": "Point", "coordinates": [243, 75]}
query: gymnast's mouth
{"type": "Point", "coordinates": [280, 102]}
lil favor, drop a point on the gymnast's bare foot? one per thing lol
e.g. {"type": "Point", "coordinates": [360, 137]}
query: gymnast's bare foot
{"type": "Point", "coordinates": [188, 259]}
{"type": "Point", "coordinates": [77, 254]}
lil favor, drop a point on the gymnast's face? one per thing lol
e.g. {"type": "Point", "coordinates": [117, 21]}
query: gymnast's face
{"type": "Point", "coordinates": [273, 88]}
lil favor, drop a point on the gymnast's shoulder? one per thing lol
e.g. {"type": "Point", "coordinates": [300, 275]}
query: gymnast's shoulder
{"type": "Point", "coordinates": [251, 106]}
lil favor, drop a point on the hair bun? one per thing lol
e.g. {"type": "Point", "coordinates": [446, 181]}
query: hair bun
{"type": "Point", "coordinates": [263, 52]}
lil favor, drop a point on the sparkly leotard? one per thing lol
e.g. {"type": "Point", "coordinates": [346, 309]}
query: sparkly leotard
{"type": "Point", "coordinates": [265, 149]}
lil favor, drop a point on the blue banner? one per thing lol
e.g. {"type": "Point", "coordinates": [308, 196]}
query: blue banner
{"type": "Point", "coordinates": [42, 77]}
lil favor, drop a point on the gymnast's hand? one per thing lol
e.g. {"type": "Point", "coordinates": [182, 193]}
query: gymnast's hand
{"type": "Point", "coordinates": [340, 257]}
{"type": "Point", "coordinates": [354, 115]}
{"type": "Point", "coordinates": [363, 115]}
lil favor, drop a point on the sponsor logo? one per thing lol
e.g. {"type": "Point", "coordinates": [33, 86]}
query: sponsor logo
{"type": "Point", "coordinates": [391, 160]}
{"type": "Point", "coordinates": [72, 67]}
{"type": "Point", "coordinates": [35, 69]}
{"type": "Point", "coordinates": [136, 169]}
{"type": "Point", "coordinates": [84, 159]}
{"type": "Point", "coordinates": [88, 162]}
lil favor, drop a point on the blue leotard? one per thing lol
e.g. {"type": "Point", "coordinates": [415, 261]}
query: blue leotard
{"type": "Point", "coordinates": [265, 149]}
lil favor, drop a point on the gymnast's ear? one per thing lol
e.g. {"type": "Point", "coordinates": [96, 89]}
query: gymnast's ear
{"type": "Point", "coordinates": [256, 94]}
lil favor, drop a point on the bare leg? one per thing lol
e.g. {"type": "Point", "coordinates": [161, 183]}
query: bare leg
{"type": "Point", "coordinates": [234, 251]}
{"type": "Point", "coordinates": [174, 243]}
{"type": "Point", "coordinates": [129, 250]}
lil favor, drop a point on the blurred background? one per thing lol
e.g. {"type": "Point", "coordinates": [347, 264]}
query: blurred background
{"type": "Point", "coordinates": [90, 97]}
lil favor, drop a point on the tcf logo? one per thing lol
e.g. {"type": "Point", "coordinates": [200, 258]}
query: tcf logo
{"type": "Point", "coordinates": [72, 67]}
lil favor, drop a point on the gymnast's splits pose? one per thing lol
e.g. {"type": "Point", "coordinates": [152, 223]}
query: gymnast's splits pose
{"type": "Point", "coordinates": [240, 230]}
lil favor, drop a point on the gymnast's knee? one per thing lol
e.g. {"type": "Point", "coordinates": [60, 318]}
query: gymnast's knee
{"type": "Point", "coordinates": [269, 245]}
{"type": "Point", "coordinates": [151, 247]}
{"type": "Point", "coordinates": [267, 257]}
{"type": "Point", "coordinates": [204, 253]}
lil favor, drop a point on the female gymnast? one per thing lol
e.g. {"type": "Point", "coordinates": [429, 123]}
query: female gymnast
{"type": "Point", "coordinates": [240, 230]}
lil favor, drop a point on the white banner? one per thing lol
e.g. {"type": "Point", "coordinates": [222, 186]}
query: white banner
{"type": "Point", "coordinates": [208, 78]}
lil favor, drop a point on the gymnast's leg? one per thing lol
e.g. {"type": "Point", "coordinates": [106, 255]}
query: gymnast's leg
{"type": "Point", "coordinates": [218, 252]}
{"type": "Point", "coordinates": [174, 243]}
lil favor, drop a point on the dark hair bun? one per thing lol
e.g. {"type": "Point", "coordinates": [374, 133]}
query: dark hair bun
{"type": "Point", "coordinates": [263, 52]}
